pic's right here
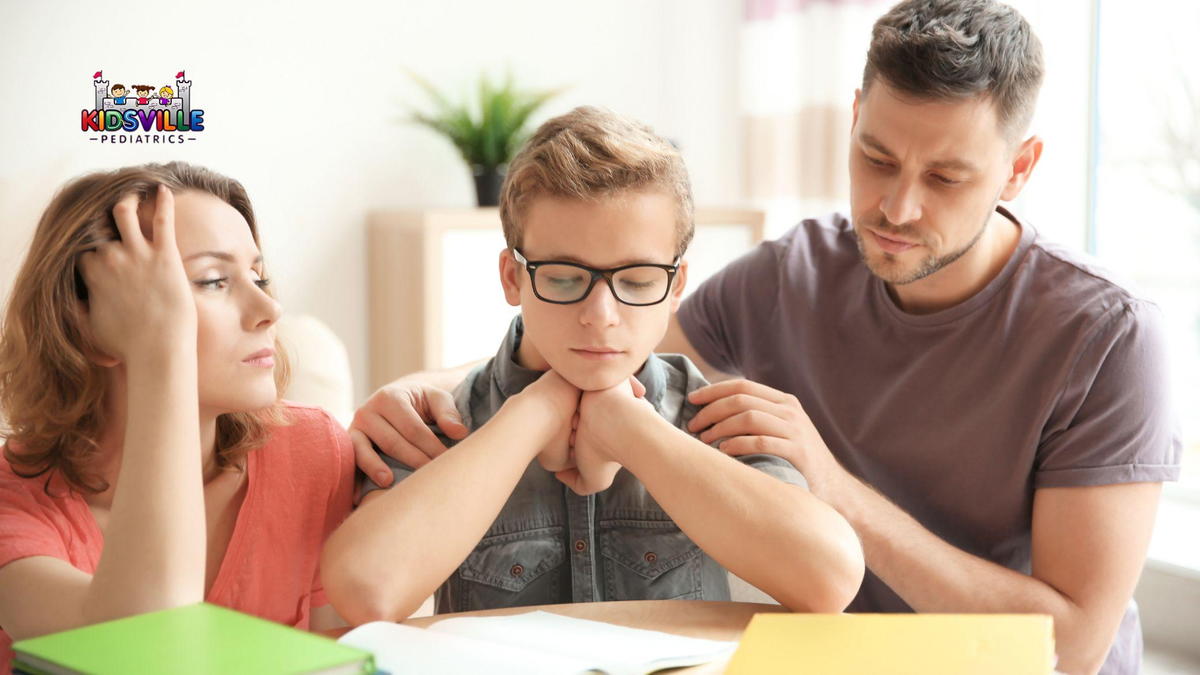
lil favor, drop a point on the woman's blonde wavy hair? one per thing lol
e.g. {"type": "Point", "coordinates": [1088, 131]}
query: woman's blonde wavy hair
{"type": "Point", "coordinates": [52, 396]}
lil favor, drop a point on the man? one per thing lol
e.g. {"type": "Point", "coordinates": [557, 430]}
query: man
{"type": "Point", "coordinates": [986, 409]}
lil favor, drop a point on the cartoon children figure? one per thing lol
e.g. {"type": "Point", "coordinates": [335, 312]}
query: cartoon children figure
{"type": "Point", "coordinates": [164, 95]}
{"type": "Point", "coordinates": [143, 92]}
{"type": "Point", "coordinates": [118, 94]}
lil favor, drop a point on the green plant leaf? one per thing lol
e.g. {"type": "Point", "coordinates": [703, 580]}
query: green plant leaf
{"type": "Point", "coordinates": [493, 135]}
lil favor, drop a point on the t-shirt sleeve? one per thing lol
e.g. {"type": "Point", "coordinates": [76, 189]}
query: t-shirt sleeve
{"type": "Point", "coordinates": [26, 529]}
{"type": "Point", "coordinates": [341, 496]}
{"type": "Point", "coordinates": [1113, 423]}
{"type": "Point", "coordinates": [720, 317]}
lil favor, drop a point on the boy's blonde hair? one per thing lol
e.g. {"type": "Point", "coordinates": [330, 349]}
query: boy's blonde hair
{"type": "Point", "coordinates": [591, 153]}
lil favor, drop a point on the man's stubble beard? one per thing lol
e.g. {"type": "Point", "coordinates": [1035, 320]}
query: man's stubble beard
{"type": "Point", "coordinates": [931, 264]}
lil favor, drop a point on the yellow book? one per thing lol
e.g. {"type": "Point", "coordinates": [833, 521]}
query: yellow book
{"type": "Point", "coordinates": [896, 644]}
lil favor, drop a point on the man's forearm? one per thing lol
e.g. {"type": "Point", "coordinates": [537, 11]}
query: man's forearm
{"type": "Point", "coordinates": [928, 573]}
{"type": "Point", "coordinates": [776, 536]}
{"type": "Point", "coordinates": [931, 575]}
{"type": "Point", "coordinates": [399, 547]}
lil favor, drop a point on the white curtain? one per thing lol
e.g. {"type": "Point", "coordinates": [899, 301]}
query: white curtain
{"type": "Point", "coordinates": [801, 61]}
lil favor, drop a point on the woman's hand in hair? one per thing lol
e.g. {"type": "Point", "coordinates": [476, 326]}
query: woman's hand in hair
{"type": "Point", "coordinates": [140, 302]}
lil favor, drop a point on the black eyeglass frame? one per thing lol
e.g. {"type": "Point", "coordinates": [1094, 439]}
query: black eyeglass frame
{"type": "Point", "coordinates": [597, 274]}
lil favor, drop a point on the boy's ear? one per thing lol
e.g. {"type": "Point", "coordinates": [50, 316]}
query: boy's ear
{"type": "Point", "coordinates": [680, 283]}
{"type": "Point", "coordinates": [510, 277]}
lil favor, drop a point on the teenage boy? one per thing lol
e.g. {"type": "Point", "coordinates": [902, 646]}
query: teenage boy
{"type": "Point", "coordinates": [621, 503]}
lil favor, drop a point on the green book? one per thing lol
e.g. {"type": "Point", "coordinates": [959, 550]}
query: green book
{"type": "Point", "coordinates": [195, 639]}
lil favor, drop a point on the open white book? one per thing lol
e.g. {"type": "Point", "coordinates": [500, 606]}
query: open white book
{"type": "Point", "coordinates": [529, 644]}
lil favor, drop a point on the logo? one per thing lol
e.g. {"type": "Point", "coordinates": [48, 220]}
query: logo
{"type": "Point", "coordinates": [142, 113]}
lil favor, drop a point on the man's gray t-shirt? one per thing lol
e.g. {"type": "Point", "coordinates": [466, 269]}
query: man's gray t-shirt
{"type": "Point", "coordinates": [1052, 375]}
{"type": "Point", "coordinates": [549, 545]}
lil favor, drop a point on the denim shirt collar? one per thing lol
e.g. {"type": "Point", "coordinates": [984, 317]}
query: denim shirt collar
{"type": "Point", "coordinates": [511, 378]}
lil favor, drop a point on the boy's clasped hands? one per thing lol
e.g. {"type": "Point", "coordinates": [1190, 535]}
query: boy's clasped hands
{"type": "Point", "coordinates": [583, 452]}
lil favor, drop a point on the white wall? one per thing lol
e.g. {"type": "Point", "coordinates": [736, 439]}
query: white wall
{"type": "Point", "coordinates": [302, 100]}
{"type": "Point", "coordinates": [1056, 198]}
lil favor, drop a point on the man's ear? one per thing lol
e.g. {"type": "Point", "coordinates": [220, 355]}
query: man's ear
{"type": "Point", "coordinates": [90, 351]}
{"type": "Point", "coordinates": [510, 277]}
{"type": "Point", "coordinates": [1026, 157]}
{"type": "Point", "coordinates": [854, 109]}
{"type": "Point", "coordinates": [680, 282]}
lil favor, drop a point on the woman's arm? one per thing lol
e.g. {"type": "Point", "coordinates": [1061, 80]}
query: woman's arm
{"type": "Point", "coordinates": [141, 313]}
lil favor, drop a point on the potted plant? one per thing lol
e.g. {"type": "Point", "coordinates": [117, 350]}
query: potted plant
{"type": "Point", "coordinates": [487, 137]}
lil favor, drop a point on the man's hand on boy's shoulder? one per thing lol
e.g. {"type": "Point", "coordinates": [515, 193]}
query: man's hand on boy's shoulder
{"type": "Point", "coordinates": [747, 418]}
{"type": "Point", "coordinates": [396, 420]}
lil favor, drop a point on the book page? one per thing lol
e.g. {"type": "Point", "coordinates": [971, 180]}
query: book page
{"type": "Point", "coordinates": [602, 646]}
{"type": "Point", "coordinates": [402, 649]}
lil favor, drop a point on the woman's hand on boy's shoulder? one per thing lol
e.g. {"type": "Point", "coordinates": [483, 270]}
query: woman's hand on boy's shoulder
{"type": "Point", "coordinates": [395, 420]}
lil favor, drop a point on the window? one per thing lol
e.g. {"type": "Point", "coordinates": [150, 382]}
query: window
{"type": "Point", "coordinates": [1146, 196]}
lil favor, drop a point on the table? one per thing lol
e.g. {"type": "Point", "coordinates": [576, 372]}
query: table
{"type": "Point", "coordinates": [706, 619]}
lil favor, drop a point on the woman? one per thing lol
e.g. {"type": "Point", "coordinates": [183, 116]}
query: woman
{"type": "Point", "coordinates": [149, 462]}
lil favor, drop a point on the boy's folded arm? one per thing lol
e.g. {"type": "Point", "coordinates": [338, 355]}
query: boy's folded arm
{"type": "Point", "coordinates": [775, 535]}
{"type": "Point", "coordinates": [402, 543]}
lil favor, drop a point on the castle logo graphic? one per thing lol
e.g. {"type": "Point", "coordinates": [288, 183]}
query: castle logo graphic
{"type": "Point", "coordinates": [142, 113]}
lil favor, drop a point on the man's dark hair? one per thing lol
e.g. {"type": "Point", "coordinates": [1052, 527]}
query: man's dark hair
{"type": "Point", "coordinates": [956, 49]}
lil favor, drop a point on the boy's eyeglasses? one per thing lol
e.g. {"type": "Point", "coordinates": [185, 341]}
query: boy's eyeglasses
{"type": "Point", "coordinates": [564, 283]}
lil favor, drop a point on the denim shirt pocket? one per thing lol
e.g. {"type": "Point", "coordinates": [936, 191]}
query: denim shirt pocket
{"type": "Point", "coordinates": [649, 560]}
{"type": "Point", "coordinates": [512, 570]}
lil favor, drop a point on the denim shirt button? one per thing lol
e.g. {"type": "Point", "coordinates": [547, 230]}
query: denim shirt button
{"type": "Point", "coordinates": [517, 570]}
{"type": "Point", "coordinates": [580, 545]}
{"type": "Point", "coordinates": [651, 557]}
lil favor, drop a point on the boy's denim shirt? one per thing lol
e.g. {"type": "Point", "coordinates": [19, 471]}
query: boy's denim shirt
{"type": "Point", "coordinates": [549, 545]}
